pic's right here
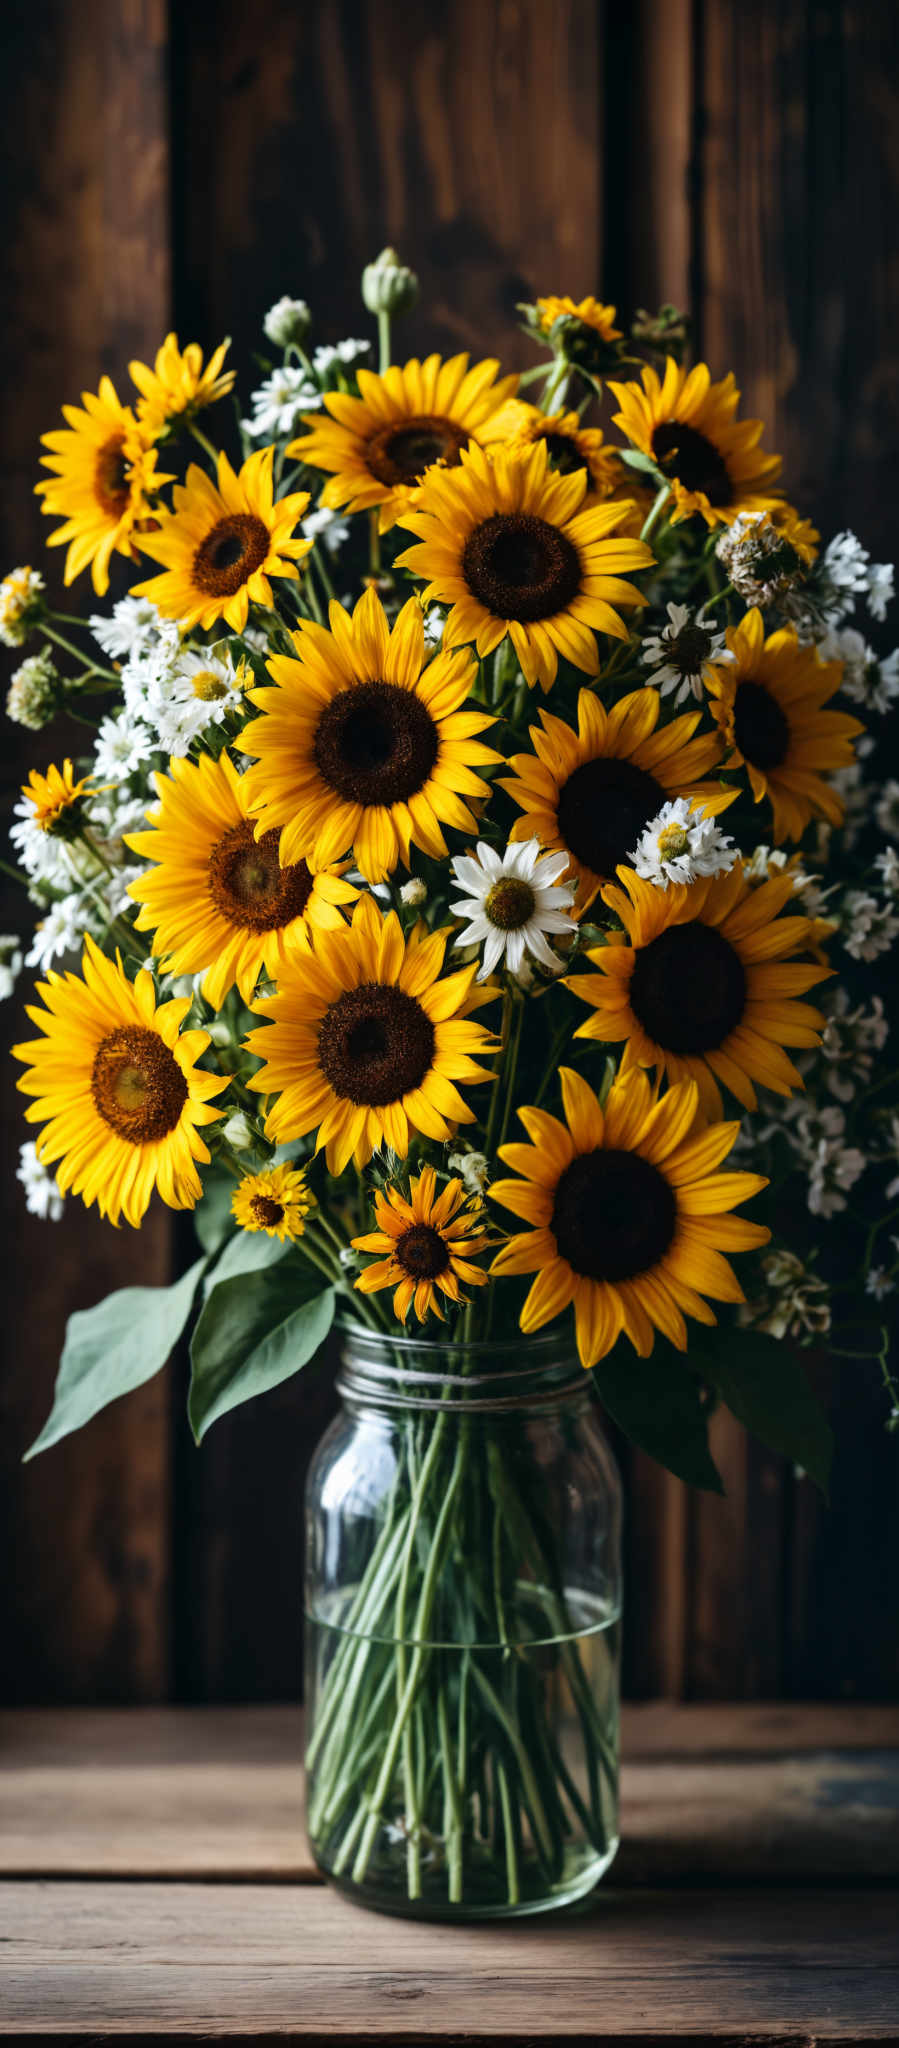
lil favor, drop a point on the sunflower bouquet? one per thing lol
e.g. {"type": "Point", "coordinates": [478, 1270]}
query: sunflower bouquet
{"type": "Point", "coordinates": [476, 801]}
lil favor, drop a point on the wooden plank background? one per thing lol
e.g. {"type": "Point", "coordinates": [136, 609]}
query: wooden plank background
{"type": "Point", "coordinates": [170, 163]}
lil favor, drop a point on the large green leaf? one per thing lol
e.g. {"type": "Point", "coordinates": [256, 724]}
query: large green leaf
{"type": "Point", "coordinates": [113, 1348]}
{"type": "Point", "coordinates": [255, 1330]}
{"type": "Point", "coordinates": [656, 1402]}
{"type": "Point", "coordinates": [213, 1220]}
{"type": "Point", "coordinates": [249, 1251]}
{"type": "Point", "coordinates": [765, 1387]}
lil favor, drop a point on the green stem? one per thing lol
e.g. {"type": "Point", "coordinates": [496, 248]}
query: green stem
{"type": "Point", "coordinates": [655, 511]}
{"type": "Point", "coordinates": [374, 543]}
{"type": "Point", "coordinates": [556, 386]}
{"type": "Point", "coordinates": [199, 436]}
{"type": "Point", "coordinates": [383, 343]}
{"type": "Point", "coordinates": [70, 647]}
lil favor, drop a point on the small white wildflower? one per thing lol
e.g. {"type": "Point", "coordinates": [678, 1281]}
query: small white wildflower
{"type": "Point", "coordinates": [511, 901]}
{"type": "Point", "coordinates": [680, 845]}
{"type": "Point", "coordinates": [328, 362]}
{"type": "Point", "coordinates": [473, 1169]}
{"type": "Point", "coordinates": [681, 652]}
{"type": "Point", "coordinates": [880, 589]}
{"type": "Point", "coordinates": [867, 928]}
{"type": "Point", "coordinates": [833, 1167]}
{"type": "Point", "coordinates": [10, 963]}
{"type": "Point", "coordinates": [122, 746]}
{"type": "Point", "coordinates": [764, 862]}
{"type": "Point", "coordinates": [44, 857]}
{"type": "Point", "coordinates": [867, 681]}
{"type": "Point", "coordinates": [849, 1041]}
{"type": "Point", "coordinates": [846, 564]}
{"type": "Point", "coordinates": [280, 401]}
{"type": "Point", "coordinates": [887, 865]}
{"type": "Point", "coordinates": [287, 322]}
{"type": "Point", "coordinates": [42, 1196]}
{"type": "Point", "coordinates": [796, 1302]}
{"type": "Point", "coordinates": [34, 691]}
{"type": "Point", "coordinates": [413, 893]}
{"type": "Point", "coordinates": [60, 931]}
{"type": "Point", "coordinates": [134, 628]}
{"type": "Point", "coordinates": [20, 605]}
{"type": "Point", "coordinates": [879, 1283]}
{"type": "Point", "coordinates": [886, 809]}
{"type": "Point", "coordinates": [238, 1132]}
{"type": "Point", "coordinates": [326, 526]}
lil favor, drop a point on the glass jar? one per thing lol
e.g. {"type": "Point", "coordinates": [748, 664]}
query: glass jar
{"type": "Point", "coordinates": [463, 1602]}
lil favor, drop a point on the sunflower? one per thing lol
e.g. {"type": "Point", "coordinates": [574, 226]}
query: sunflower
{"type": "Point", "coordinates": [277, 1201]}
{"type": "Point", "coordinates": [221, 545]}
{"type": "Point", "coordinates": [592, 792]}
{"type": "Point", "coordinates": [366, 1043]}
{"type": "Point", "coordinates": [55, 797]}
{"type": "Point", "coordinates": [769, 705]}
{"type": "Point", "coordinates": [591, 313]}
{"type": "Point", "coordinates": [569, 446]}
{"type": "Point", "coordinates": [178, 386]}
{"type": "Point", "coordinates": [219, 898]}
{"type": "Point", "coordinates": [364, 744]}
{"type": "Point", "coordinates": [380, 444]}
{"type": "Point", "coordinates": [425, 1242]}
{"type": "Point", "coordinates": [629, 1217]}
{"type": "Point", "coordinates": [688, 426]}
{"type": "Point", "coordinates": [104, 468]}
{"type": "Point", "coordinates": [118, 1089]}
{"type": "Point", "coordinates": [700, 983]}
{"type": "Point", "coordinates": [513, 549]}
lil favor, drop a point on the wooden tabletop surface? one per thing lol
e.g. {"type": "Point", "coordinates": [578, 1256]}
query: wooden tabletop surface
{"type": "Point", "coordinates": [154, 1881]}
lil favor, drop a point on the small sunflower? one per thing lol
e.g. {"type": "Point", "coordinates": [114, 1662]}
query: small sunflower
{"type": "Point", "coordinates": [629, 1217]}
{"type": "Point", "coordinates": [701, 982]}
{"type": "Point", "coordinates": [591, 313]}
{"type": "Point", "coordinates": [219, 898]}
{"type": "Point", "coordinates": [592, 792]}
{"type": "Point", "coordinates": [221, 544]}
{"type": "Point", "coordinates": [711, 459]}
{"type": "Point", "coordinates": [769, 705]}
{"type": "Point", "coordinates": [513, 549]}
{"type": "Point", "coordinates": [364, 743]}
{"type": "Point", "coordinates": [380, 444]}
{"type": "Point", "coordinates": [104, 477]}
{"type": "Point", "coordinates": [277, 1201]}
{"type": "Point", "coordinates": [178, 386]}
{"type": "Point", "coordinates": [425, 1242]}
{"type": "Point", "coordinates": [366, 1044]}
{"type": "Point", "coordinates": [55, 797]}
{"type": "Point", "coordinates": [569, 446]}
{"type": "Point", "coordinates": [118, 1089]}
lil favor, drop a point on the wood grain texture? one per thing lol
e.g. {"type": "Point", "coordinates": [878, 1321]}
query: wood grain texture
{"type": "Point", "coordinates": [83, 1613]}
{"type": "Point", "coordinates": [243, 1962]}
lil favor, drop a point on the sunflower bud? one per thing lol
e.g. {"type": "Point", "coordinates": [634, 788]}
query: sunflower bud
{"type": "Point", "coordinates": [388, 286]}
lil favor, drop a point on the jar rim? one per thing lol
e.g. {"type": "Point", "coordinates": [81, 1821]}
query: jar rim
{"type": "Point", "coordinates": [553, 1371]}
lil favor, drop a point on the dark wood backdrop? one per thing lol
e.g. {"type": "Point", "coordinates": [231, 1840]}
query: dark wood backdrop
{"type": "Point", "coordinates": [186, 164]}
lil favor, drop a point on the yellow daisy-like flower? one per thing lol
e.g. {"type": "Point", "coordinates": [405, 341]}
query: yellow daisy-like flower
{"type": "Point", "coordinates": [514, 550]}
{"type": "Point", "coordinates": [569, 446]}
{"type": "Point", "coordinates": [104, 476]}
{"type": "Point", "coordinates": [118, 1089]}
{"type": "Point", "coordinates": [54, 795]}
{"type": "Point", "coordinates": [629, 1219]}
{"type": "Point", "coordinates": [380, 444]}
{"type": "Point", "coordinates": [364, 743]}
{"type": "Point", "coordinates": [366, 1043]}
{"type": "Point", "coordinates": [426, 1242]}
{"type": "Point", "coordinates": [689, 426]}
{"type": "Point", "coordinates": [590, 311]}
{"type": "Point", "coordinates": [593, 791]}
{"type": "Point", "coordinates": [769, 705]}
{"type": "Point", "coordinates": [700, 984]}
{"type": "Point", "coordinates": [800, 533]}
{"type": "Point", "coordinates": [221, 544]}
{"type": "Point", "coordinates": [178, 386]}
{"type": "Point", "coordinates": [277, 1201]}
{"type": "Point", "coordinates": [219, 898]}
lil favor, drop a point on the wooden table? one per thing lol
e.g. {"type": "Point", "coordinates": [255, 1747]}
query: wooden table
{"type": "Point", "coordinates": [154, 1880]}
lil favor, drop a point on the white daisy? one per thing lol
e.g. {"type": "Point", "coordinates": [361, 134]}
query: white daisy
{"type": "Point", "coordinates": [880, 589]}
{"type": "Point", "coordinates": [10, 963]}
{"type": "Point", "coordinates": [681, 844]}
{"type": "Point", "coordinates": [326, 526]}
{"type": "Point", "coordinates": [42, 1196]}
{"type": "Point", "coordinates": [134, 628]}
{"type": "Point", "coordinates": [279, 401]}
{"type": "Point", "coordinates": [329, 362]}
{"type": "Point", "coordinates": [122, 746]}
{"type": "Point", "coordinates": [60, 931]}
{"type": "Point", "coordinates": [681, 652]}
{"type": "Point", "coordinates": [191, 689]}
{"type": "Point", "coordinates": [512, 900]}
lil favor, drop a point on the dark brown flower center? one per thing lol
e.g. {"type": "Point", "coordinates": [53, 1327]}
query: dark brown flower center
{"type": "Point", "coordinates": [422, 1252]}
{"type": "Point", "coordinates": [111, 477]}
{"type": "Point", "coordinates": [688, 650]}
{"type": "Point", "coordinates": [521, 567]}
{"type": "Point", "coordinates": [602, 810]}
{"type": "Point", "coordinates": [235, 547]}
{"type": "Point", "coordinates": [688, 988]}
{"type": "Point", "coordinates": [400, 452]}
{"type": "Point", "coordinates": [761, 728]}
{"type": "Point", "coordinates": [614, 1215]}
{"type": "Point", "coordinates": [683, 453]}
{"type": "Point", "coordinates": [376, 743]}
{"type": "Point", "coordinates": [248, 884]}
{"type": "Point", "coordinates": [563, 452]}
{"type": "Point", "coordinates": [268, 1214]}
{"type": "Point", "coordinates": [137, 1085]}
{"type": "Point", "coordinates": [375, 1044]}
{"type": "Point", "coordinates": [510, 903]}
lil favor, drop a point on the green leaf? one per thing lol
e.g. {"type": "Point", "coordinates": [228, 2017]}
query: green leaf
{"type": "Point", "coordinates": [635, 459]}
{"type": "Point", "coordinates": [255, 1330]}
{"type": "Point", "coordinates": [113, 1348]}
{"type": "Point", "coordinates": [765, 1387]}
{"type": "Point", "coordinates": [213, 1220]}
{"type": "Point", "coordinates": [656, 1402]}
{"type": "Point", "coordinates": [248, 1251]}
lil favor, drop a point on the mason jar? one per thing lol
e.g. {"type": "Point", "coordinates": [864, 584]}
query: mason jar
{"type": "Point", "coordinates": [463, 1604]}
